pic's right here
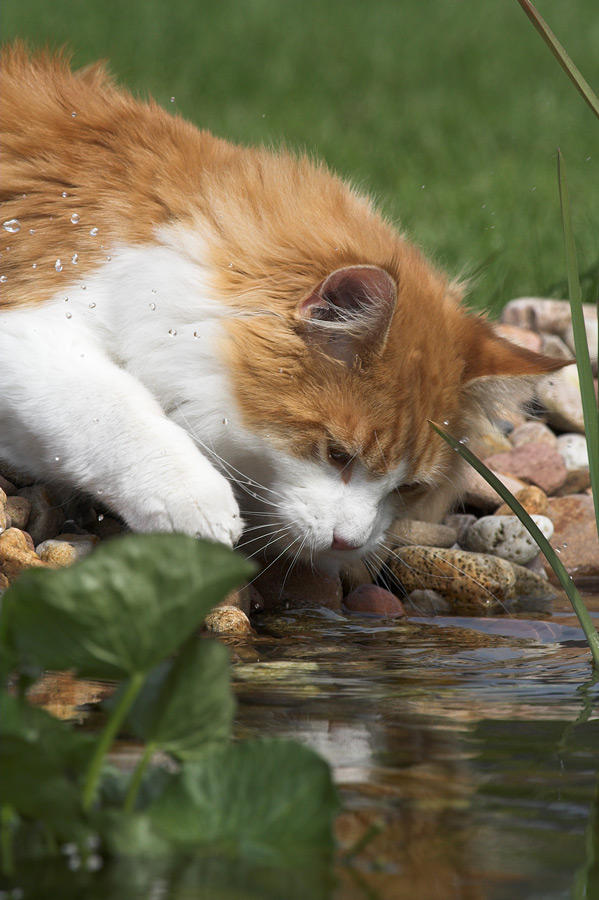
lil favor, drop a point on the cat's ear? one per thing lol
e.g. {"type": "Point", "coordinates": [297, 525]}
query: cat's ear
{"type": "Point", "coordinates": [349, 313]}
{"type": "Point", "coordinates": [488, 354]}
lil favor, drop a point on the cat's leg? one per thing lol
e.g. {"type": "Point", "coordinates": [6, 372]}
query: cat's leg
{"type": "Point", "coordinates": [69, 414]}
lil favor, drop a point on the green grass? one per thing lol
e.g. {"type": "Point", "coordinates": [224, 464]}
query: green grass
{"type": "Point", "coordinates": [450, 112]}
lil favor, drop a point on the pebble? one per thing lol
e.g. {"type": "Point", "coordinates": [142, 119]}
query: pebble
{"type": "Point", "coordinates": [506, 537]}
{"type": "Point", "coordinates": [536, 464]}
{"type": "Point", "coordinates": [66, 549]}
{"type": "Point", "coordinates": [19, 510]}
{"type": "Point", "coordinates": [46, 516]}
{"type": "Point", "coordinates": [426, 534]}
{"type": "Point", "coordinates": [541, 314]}
{"type": "Point", "coordinates": [17, 553]}
{"type": "Point", "coordinates": [591, 328]}
{"type": "Point", "coordinates": [573, 451]}
{"type": "Point", "coordinates": [371, 600]}
{"type": "Point", "coordinates": [575, 535]}
{"type": "Point", "coordinates": [481, 495]}
{"type": "Point", "coordinates": [301, 586]}
{"type": "Point", "coordinates": [560, 395]}
{"type": "Point", "coordinates": [227, 620]}
{"type": "Point", "coordinates": [532, 498]}
{"type": "Point", "coordinates": [533, 433]}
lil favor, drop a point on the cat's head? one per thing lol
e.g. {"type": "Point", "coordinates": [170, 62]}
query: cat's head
{"type": "Point", "coordinates": [335, 394]}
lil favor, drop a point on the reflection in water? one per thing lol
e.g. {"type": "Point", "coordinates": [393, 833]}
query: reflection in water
{"type": "Point", "coordinates": [466, 751]}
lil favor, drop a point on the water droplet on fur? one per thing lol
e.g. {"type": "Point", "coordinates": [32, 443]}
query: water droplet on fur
{"type": "Point", "coordinates": [64, 194]}
{"type": "Point", "coordinates": [108, 258]}
{"type": "Point", "coordinates": [95, 421]}
{"type": "Point", "coordinates": [57, 459]}
{"type": "Point", "coordinates": [446, 421]}
{"type": "Point", "coordinates": [83, 287]}
{"type": "Point", "coordinates": [172, 332]}
{"type": "Point", "coordinates": [34, 265]}
{"type": "Point", "coordinates": [12, 225]}
{"type": "Point", "coordinates": [58, 265]}
{"type": "Point", "coordinates": [280, 371]}
{"type": "Point", "coordinates": [2, 278]}
{"type": "Point", "coordinates": [32, 231]}
{"type": "Point", "coordinates": [153, 290]}
{"type": "Point", "coordinates": [66, 299]}
{"type": "Point", "coordinates": [172, 99]}
{"type": "Point", "coordinates": [225, 421]}
{"type": "Point", "coordinates": [230, 266]}
{"type": "Point", "coordinates": [92, 305]}
{"type": "Point", "coordinates": [557, 550]}
{"type": "Point", "coordinates": [75, 258]}
{"type": "Point", "coordinates": [564, 546]}
{"type": "Point", "coordinates": [196, 334]}
{"type": "Point", "coordinates": [101, 517]}
{"type": "Point", "coordinates": [464, 440]}
{"type": "Point", "coordinates": [69, 315]}
{"type": "Point", "coordinates": [73, 115]}
{"type": "Point", "coordinates": [99, 491]}
{"type": "Point", "coordinates": [75, 218]}
{"type": "Point", "coordinates": [152, 305]}
{"type": "Point", "coordinates": [94, 231]}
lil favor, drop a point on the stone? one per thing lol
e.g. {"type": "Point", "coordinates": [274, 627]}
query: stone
{"type": "Point", "coordinates": [481, 495]}
{"type": "Point", "coordinates": [427, 603]}
{"type": "Point", "coordinates": [461, 522]}
{"type": "Point", "coordinates": [5, 520]}
{"type": "Point", "coordinates": [559, 393]}
{"type": "Point", "coordinates": [19, 510]}
{"type": "Point", "coordinates": [369, 599]}
{"type": "Point", "coordinates": [300, 586]}
{"type": "Point", "coordinates": [507, 537]}
{"type": "Point", "coordinates": [534, 463]}
{"type": "Point", "coordinates": [575, 535]}
{"type": "Point", "coordinates": [532, 498]}
{"type": "Point", "coordinates": [591, 328]}
{"type": "Point", "coordinates": [17, 554]}
{"type": "Point", "coordinates": [425, 534]}
{"type": "Point", "coordinates": [227, 620]}
{"type": "Point", "coordinates": [356, 573]}
{"type": "Point", "coordinates": [471, 581]}
{"type": "Point", "coordinates": [531, 584]}
{"type": "Point", "coordinates": [7, 486]}
{"type": "Point", "coordinates": [533, 433]}
{"type": "Point", "coordinates": [523, 337]}
{"type": "Point", "coordinates": [65, 549]}
{"type": "Point", "coordinates": [577, 481]}
{"type": "Point", "coordinates": [541, 314]}
{"type": "Point", "coordinates": [554, 346]}
{"type": "Point", "coordinates": [573, 451]}
{"type": "Point", "coordinates": [46, 516]}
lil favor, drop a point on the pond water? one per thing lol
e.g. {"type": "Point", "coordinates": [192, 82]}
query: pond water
{"type": "Point", "coordinates": [466, 751]}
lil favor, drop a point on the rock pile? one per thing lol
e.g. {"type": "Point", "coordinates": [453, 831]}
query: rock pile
{"type": "Point", "coordinates": [479, 560]}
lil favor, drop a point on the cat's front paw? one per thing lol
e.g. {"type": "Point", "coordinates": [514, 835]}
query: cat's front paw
{"type": "Point", "coordinates": [203, 508]}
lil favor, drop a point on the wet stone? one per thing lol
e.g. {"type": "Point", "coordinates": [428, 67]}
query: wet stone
{"type": "Point", "coordinates": [227, 620]}
{"type": "Point", "coordinates": [17, 553]}
{"type": "Point", "coordinates": [371, 600]}
{"type": "Point", "coordinates": [426, 534]}
{"type": "Point", "coordinates": [427, 603]}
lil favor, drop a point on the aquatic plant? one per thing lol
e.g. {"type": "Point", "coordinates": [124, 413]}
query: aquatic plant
{"type": "Point", "coordinates": [130, 613]}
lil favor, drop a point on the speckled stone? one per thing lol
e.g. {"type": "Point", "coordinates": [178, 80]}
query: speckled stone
{"type": "Point", "coordinates": [471, 581]}
{"type": "Point", "coordinates": [371, 600]}
{"type": "Point", "coordinates": [532, 498]}
{"type": "Point", "coordinates": [425, 534]}
{"type": "Point", "coordinates": [17, 553]}
{"type": "Point", "coordinates": [227, 620]}
{"type": "Point", "coordinates": [506, 537]}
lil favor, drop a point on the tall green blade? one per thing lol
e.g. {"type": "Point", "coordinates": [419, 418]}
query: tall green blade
{"type": "Point", "coordinates": [582, 86]}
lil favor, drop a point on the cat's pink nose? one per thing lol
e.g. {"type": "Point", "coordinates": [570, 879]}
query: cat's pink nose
{"type": "Point", "coordinates": [339, 543]}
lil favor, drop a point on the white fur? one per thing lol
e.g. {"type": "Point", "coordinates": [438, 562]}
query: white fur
{"type": "Point", "coordinates": [116, 387]}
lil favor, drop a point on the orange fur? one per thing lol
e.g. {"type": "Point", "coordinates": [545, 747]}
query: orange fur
{"type": "Point", "coordinates": [273, 227]}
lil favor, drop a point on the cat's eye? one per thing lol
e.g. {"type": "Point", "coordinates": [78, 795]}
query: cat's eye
{"type": "Point", "coordinates": [338, 457]}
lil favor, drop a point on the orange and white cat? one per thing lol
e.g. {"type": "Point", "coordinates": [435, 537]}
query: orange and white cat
{"type": "Point", "coordinates": [209, 337]}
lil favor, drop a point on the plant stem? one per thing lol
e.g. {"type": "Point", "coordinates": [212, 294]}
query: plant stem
{"type": "Point", "coordinates": [137, 777]}
{"type": "Point", "coordinates": [7, 859]}
{"type": "Point", "coordinates": [107, 737]}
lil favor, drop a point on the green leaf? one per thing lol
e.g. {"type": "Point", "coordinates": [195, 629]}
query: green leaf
{"type": "Point", "coordinates": [186, 703]}
{"type": "Point", "coordinates": [41, 759]}
{"type": "Point", "coordinates": [263, 800]}
{"type": "Point", "coordinates": [562, 57]}
{"type": "Point", "coordinates": [123, 608]}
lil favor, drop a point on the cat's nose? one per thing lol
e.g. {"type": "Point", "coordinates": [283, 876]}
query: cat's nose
{"type": "Point", "coordinates": [339, 543]}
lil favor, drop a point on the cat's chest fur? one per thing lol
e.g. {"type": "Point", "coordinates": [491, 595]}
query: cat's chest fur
{"type": "Point", "coordinates": [216, 339]}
